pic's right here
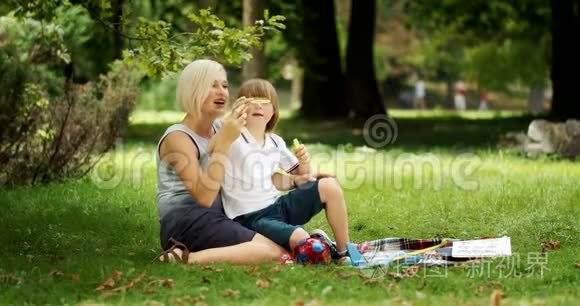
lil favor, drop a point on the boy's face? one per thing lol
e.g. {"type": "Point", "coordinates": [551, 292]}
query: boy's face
{"type": "Point", "coordinates": [259, 114]}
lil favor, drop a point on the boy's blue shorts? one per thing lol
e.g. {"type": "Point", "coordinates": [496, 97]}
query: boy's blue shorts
{"type": "Point", "coordinates": [279, 220]}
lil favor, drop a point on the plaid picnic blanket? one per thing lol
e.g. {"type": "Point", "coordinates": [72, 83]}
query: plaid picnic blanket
{"type": "Point", "coordinates": [403, 251]}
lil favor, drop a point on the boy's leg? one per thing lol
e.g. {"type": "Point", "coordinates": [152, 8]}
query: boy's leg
{"type": "Point", "coordinates": [301, 204]}
{"type": "Point", "coordinates": [335, 207]}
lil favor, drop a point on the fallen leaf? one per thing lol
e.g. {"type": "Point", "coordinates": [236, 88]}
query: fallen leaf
{"type": "Point", "coordinates": [496, 297]}
{"type": "Point", "coordinates": [198, 298]}
{"type": "Point", "coordinates": [168, 283]}
{"type": "Point", "coordinates": [488, 285]}
{"type": "Point", "coordinates": [275, 269]}
{"type": "Point", "coordinates": [262, 283]}
{"type": "Point", "coordinates": [409, 272]}
{"type": "Point", "coordinates": [206, 280]}
{"type": "Point", "coordinates": [117, 275]}
{"type": "Point", "coordinates": [56, 272]}
{"type": "Point", "coordinates": [210, 268]}
{"type": "Point", "coordinates": [75, 277]}
{"type": "Point", "coordinates": [578, 265]}
{"type": "Point", "coordinates": [255, 271]}
{"type": "Point", "coordinates": [230, 292]}
{"type": "Point", "coordinates": [550, 245]}
{"type": "Point", "coordinates": [9, 278]}
{"type": "Point", "coordinates": [132, 283]}
{"type": "Point", "coordinates": [109, 283]}
{"type": "Point", "coordinates": [176, 300]}
{"type": "Point", "coordinates": [299, 302]}
{"type": "Point", "coordinates": [326, 290]}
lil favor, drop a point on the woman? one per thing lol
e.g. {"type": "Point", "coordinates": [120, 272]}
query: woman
{"type": "Point", "coordinates": [190, 158]}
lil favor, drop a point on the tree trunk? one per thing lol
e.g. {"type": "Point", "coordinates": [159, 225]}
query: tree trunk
{"type": "Point", "coordinates": [565, 58]}
{"type": "Point", "coordinates": [362, 91]}
{"type": "Point", "coordinates": [117, 26]}
{"type": "Point", "coordinates": [319, 55]}
{"type": "Point", "coordinates": [256, 67]}
{"type": "Point", "coordinates": [536, 100]}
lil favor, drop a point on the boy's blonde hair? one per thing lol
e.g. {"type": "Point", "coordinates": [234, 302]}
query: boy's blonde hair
{"type": "Point", "coordinates": [262, 88]}
{"type": "Point", "coordinates": [194, 84]}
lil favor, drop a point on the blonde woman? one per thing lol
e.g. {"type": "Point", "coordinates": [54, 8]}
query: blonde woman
{"type": "Point", "coordinates": [190, 169]}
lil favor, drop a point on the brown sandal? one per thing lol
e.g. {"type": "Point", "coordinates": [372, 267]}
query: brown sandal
{"type": "Point", "coordinates": [176, 244]}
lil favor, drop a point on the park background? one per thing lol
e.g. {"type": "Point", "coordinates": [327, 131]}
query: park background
{"type": "Point", "coordinates": [79, 130]}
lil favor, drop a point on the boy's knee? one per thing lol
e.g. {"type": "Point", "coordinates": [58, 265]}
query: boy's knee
{"type": "Point", "coordinates": [297, 235]}
{"type": "Point", "coordinates": [329, 187]}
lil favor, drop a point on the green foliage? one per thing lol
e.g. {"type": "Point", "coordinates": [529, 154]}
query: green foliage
{"type": "Point", "coordinates": [162, 52]}
{"type": "Point", "coordinates": [54, 129]}
{"type": "Point", "coordinates": [495, 43]}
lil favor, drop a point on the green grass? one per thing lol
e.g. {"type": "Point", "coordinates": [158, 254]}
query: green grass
{"type": "Point", "coordinates": [60, 241]}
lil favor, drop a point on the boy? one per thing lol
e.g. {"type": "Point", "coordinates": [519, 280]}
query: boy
{"type": "Point", "coordinates": [251, 193]}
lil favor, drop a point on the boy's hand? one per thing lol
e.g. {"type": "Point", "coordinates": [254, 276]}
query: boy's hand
{"type": "Point", "coordinates": [301, 152]}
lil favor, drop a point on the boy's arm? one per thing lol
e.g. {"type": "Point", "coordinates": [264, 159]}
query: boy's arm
{"type": "Point", "coordinates": [283, 181]}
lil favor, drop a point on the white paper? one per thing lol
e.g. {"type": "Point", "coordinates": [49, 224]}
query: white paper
{"type": "Point", "coordinates": [482, 248]}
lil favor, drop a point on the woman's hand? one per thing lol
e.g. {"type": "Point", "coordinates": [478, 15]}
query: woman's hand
{"type": "Point", "coordinates": [231, 128]}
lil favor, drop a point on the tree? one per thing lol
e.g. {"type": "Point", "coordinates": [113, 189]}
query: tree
{"type": "Point", "coordinates": [565, 58]}
{"type": "Point", "coordinates": [362, 91]}
{"type": "Point", "coordinates": [256, 67]}
{"type": "Point", "coordinates": [319, 55]}
{"type": "Point", "coordinates": [526, 22]}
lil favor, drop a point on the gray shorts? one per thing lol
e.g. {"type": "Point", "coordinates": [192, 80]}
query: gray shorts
{"type": "Point", "coordinates": [201, 228]}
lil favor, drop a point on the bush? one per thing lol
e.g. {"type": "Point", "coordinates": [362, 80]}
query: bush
{"type": "Point", "coordinates": [53, 128]}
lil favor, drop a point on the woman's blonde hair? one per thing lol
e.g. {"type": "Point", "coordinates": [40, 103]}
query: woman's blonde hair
{"type": "Point", "coordinates": [194, 84]}
{"type": "Point", "coordinates": [262, 88]}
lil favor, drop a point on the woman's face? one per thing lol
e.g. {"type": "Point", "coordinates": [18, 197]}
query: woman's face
{"type": "Point", "coordinates": [259, 114]}
{"type": "Point", "coordinates": [217, 98]}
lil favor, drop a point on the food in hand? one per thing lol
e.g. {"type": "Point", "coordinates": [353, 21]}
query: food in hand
{"type": "Point", "coordinates": [296, 143]}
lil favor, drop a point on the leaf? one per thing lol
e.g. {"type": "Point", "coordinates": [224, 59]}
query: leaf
{"type": "Point", "coordinates": [578, 265]}
{"type": "Point", "coordinates": [254, 272]}
{"type": "Point", "coordinates": [168, 283]}
{"type": "Point", "coordinates": [326, 290]}
{"type": "Point", "coordinates": [117, 275]}
{"type": "Point", "coordinates": [550, 245]}
{"type": "Point", "coordinates": [276, 269]}
{"type": "Point", "coordinates": [231, 293]}
{"type": "Point", "coordinates": [262, 283]}
{"type": "Point", "coordinates": [132, 283]}
{"type": "Point", "coordinates": [75, 277]}
{"type": "Point", "coordinates": [109, 283]}
{"type": "Point", "coordinates": [56, 272]}
{"type": "Point", "coordinates": [206, 280]}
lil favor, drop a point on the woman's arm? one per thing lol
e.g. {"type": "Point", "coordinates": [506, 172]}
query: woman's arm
{"type": "Point", "coordinates": [179, 151]}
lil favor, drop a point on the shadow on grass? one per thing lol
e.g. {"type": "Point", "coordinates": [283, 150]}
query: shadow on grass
{"type": "Point", "coordinates": [420, 133]}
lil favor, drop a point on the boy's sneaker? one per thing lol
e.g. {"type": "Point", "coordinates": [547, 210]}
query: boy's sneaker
{"type": "Point", "coordinates": [320, 234]}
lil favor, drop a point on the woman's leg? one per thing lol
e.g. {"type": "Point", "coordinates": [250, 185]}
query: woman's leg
{"type": "Point", "coordinates": [333, 198]}
{"type": "Point", "coordinates": [259, 250]}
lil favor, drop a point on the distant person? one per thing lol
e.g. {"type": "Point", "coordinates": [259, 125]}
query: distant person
{"type": "Point", "coordinates": [459, 99]}
{"type": "Point", "coordinates": [420, 94]}
{"type": "Point", "coordinates": [484, 102]}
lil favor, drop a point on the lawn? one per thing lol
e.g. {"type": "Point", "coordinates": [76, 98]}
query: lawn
{"type": "Point", "coordinates": [442, 177]}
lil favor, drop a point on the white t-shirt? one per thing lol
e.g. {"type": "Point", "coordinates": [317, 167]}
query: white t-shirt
{"type": "Point", "coordinates": [248, 183]}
